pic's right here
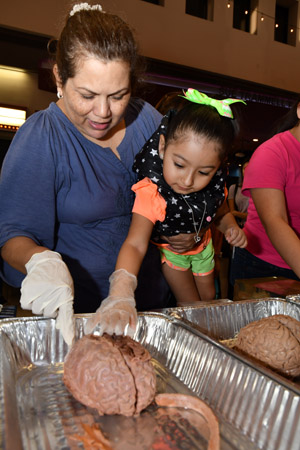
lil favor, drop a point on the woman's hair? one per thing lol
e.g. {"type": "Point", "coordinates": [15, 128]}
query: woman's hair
{"type": "Point", "coordinates": [93, 33]}
{"type": "Point", "coordinates": [171, 100]}
{"type": "Point", "coordinates": [242, 168]}
{"type": "Point", "coordinates": [288, 121]}
{"type": "Point", "coordinates": [203, 120]}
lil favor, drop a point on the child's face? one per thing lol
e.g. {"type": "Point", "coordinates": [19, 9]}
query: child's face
{"type": "Point", "coordinates": [189, 163]}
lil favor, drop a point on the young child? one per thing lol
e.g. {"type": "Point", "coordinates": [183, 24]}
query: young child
{"type": "Point", "coordinates": [181, 190]}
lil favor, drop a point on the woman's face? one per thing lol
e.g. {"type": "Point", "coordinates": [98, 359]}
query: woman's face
{"type": "Point", "coordinates": [95, 99]}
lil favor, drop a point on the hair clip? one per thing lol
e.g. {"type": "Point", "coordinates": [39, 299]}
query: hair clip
{"type": "Point", "coordinates": [222, 106]}
{"type": "Point", "coordinates": [84, 7]}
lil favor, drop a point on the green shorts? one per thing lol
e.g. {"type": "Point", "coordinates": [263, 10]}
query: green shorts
{"type": "Point", "coordinates": [200, 264]}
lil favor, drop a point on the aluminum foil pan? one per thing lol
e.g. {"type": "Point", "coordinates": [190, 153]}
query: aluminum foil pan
{"type": "Point", "coordinates": [222, 322]}
{"type": "Point", "coordinates": [295, 299]}
{"type": "Point", "coordinates": [37, 412]}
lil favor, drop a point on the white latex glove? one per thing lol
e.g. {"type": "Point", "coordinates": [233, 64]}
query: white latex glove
{"type": "Point", "coordinates": [117, 313]}
{"type": "Point", "coordinates": [48, 290]}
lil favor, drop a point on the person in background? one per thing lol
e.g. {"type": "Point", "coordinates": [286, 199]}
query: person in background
{"type": "Point", "coordinates": [238, 205]}
{"type": "Point", "coordinates": [272, 183]}
{"type": "Point", "coordinates": [181, 189]}
{"type": "Point", "coordinates": [237, 201]}
{"type": "Point", "coordinates": [65, 188]}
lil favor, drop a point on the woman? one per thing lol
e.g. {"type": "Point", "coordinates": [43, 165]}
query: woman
{"type": "Point", "coordinates": [65, 190]}
{"type": "Point", "coordinates": [272, 181]}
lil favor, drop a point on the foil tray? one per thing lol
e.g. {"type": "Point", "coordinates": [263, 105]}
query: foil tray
{"type": "Point", "coordinates": [224, 321]}
{"type": "Point", "coordinates": [37, 412]}
{"type": "Point", "coordinates": [221, 321]}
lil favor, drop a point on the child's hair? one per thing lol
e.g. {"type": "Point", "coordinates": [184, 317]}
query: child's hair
{"type": "Point", "coordinates": [206, 121]}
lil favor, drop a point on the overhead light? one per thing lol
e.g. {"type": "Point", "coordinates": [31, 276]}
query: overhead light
{"type": "Point", "coordinates": [12, 69]}
{"type": "Point", "coordinates": [11, 118]}
{"type": "Point", "coordinates": [255, 140]}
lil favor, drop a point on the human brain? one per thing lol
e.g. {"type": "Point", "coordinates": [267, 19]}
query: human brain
{"type": "Point", "coordinates": [113, 374]}
{"type": "Point", "coordinates": [274, 341]}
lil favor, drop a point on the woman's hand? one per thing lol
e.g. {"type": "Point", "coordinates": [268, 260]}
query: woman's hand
{"type": "Point", "coordinates": [180, 243]}
{"type": "Point", "coordinates": [48, 290]}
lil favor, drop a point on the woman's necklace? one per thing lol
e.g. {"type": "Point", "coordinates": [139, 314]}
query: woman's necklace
{"type": "Point", "coordinates": [197, 237]}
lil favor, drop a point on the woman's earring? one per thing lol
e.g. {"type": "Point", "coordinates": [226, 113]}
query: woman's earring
{"type": "Point", "coordinates": [59, 94]}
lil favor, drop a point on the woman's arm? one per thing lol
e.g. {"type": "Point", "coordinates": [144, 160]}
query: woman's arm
{"type": "Point", "coordinates": [118, 312]}
{"type": "Point", "coordinates": [18, 251]}
{"type": "Point", "coordinates": [180, 243]}
{"type": "Point", "coordinates": [271, 208]}
{"type": "Point", "coordinates": [135, 245]}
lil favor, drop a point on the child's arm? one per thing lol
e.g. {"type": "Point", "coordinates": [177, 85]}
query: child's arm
{"type": "Point", "coordinates": [135, 245]}
{"type": "Point", "coordinates": [117, 312]}
{"type": "Point", "coordinates": [226, 223]}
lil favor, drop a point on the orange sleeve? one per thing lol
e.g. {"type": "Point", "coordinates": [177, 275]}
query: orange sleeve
{"type": "Point", "coordinates": [226, 192]}
{"type": "Point", "coordinates": [148, 201]}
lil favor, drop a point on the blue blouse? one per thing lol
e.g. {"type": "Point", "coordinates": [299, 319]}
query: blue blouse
{"type": "Point", "coordinates": [72, 196]}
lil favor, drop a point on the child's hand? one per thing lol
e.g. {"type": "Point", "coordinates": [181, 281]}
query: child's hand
{"type": "Point", "coordinates": [235, 236]}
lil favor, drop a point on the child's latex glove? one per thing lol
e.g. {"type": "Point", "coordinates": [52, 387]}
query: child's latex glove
{"type": "Point", "coordinates": [117, 312]}
{"type": "Point", "coordinates": [48, 290]}
{"type": "Point", "coordinates": [235, 236]}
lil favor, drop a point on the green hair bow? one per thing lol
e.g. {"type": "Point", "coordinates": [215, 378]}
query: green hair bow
{"type": "Point", "coordinates": [222, 106]}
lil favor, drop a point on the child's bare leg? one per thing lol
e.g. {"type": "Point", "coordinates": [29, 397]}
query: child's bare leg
{"type": "Point", "coordinates": [206, 286]}
{"type": "Point", "coordinates": [182, 284]}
